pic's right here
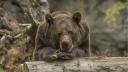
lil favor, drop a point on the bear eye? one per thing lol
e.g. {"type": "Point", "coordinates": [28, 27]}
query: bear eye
{"type": "Point", "coordinates": [70, 32]}
{"type": "Point", "coordinates": [59, 34]}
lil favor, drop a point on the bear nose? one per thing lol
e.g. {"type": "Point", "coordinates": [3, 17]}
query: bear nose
{"type": "Point", "coordinates": [65, 46]}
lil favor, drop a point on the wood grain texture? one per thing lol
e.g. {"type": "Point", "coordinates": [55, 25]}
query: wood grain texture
{"type": "Point", "coordinates": [93, 64]}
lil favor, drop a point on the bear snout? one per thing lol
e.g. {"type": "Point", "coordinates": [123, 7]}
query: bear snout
{"type": "Point", "coordinates": [66, 44]}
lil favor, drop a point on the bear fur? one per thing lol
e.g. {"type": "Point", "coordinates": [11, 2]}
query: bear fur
{"type": "Point", "coordinates": [58, 28]}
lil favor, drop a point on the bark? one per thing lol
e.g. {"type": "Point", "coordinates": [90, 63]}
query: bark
{"type": "Point", "coordinates": [94, 64]}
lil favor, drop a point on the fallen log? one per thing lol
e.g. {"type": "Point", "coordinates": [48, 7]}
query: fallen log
{"type": "Point", "coordinates": [93, 64]}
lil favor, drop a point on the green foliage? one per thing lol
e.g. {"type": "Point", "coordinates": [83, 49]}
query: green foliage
{"type": "Point", "coordinates": [112, 12]}
{"type": "Point", "coordinates": [1, 70]}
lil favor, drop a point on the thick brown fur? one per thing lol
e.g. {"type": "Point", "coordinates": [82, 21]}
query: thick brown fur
{"type": "Point", "coordinates": [47, 40]}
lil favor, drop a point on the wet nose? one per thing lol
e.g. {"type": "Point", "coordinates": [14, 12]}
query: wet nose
{"type": "Point", "coordinates": [66, 47]}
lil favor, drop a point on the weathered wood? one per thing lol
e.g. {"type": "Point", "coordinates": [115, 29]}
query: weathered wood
{"type": "Point", "coordinates": [94, 64]}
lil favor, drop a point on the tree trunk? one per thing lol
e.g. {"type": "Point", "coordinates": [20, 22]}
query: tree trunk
{"type": "Point", "coordinates": [93, 64]}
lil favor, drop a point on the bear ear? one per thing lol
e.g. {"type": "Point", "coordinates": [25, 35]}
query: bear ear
{"type": "Point", "coordinates": [49, 19]}
{"type": "Point", "coordinates": [77, 17]}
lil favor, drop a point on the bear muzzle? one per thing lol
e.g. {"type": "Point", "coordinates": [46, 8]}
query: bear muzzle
{"type": "Point", "coordinates": [66, 44]}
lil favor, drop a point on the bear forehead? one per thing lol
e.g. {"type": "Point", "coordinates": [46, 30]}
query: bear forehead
{"type": "Point", "coordinates": [61, 14]}
{"type": "Point", "coordinates": [63, 23]}
{"type": "Point", "coordinates": [62, 17]}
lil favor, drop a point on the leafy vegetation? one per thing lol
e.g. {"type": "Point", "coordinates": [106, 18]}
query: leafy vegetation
{"type": "Point", "coordinates": [1, 70]}
{"type": "Point", "coordinates": [112, 12]}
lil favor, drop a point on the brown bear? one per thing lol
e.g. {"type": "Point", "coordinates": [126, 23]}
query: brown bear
{"type": "Point", "coordinates": [62, 32]}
